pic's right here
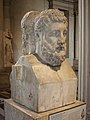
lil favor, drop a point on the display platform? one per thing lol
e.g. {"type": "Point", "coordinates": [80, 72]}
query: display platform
{"type": "Point", "coordinates": [15, 111]}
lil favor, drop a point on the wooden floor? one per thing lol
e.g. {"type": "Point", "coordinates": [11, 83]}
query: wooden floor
{"type": "Point", "coordinates": [1, 117]}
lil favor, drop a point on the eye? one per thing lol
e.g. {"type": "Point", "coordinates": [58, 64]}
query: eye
{"type": "Point", "coordinates": [54, 33]}
{"type": "Point", "coordinates": [58, 33]}
{"type": "Point", "coordinates": [65, 33]}
{"type": "Point", "coordinates": [51, 34]}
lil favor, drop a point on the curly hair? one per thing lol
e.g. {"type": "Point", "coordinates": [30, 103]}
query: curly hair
{"type": "Point", "coordinates": [27, 28]}
{"type": "Point", "coordinates": [46, 17]}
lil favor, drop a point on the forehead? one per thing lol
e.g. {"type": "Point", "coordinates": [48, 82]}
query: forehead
{"type": "Point", "coordinates": [57, 25]}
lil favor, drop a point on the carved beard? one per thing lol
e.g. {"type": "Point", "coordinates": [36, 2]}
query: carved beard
{"type": "Point", "coordinates": [49, 54]}
{"type": "Point", "coordinates": [51, 58]}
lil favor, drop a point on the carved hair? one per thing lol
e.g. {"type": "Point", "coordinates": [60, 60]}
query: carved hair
{"type": "Point", "coordinates": [27, 27]}
{"type": "Point", "coordinates": [46, 17]}
{"type": "Point", "coordinates": [31, 29]}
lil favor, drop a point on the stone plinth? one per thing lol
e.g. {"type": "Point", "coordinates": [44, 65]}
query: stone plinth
{"type": "Point", "coordinates": [14, 111]}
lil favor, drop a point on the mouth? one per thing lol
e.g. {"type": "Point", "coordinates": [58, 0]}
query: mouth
{"type": "Point", "coordinates": [59, 49]}
{"type": "Point", "coordinates": [60, 52]}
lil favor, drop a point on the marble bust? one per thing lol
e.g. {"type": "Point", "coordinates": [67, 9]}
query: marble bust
{"type": "Point", "coordinates": [42, 78]}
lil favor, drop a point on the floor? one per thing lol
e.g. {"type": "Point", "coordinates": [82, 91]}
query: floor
{"type": "Point", "coordinates": [1, 117]}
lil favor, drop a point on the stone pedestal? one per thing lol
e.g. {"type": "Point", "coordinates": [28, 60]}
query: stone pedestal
{"type": "Point", "coordinates": [75, 111]}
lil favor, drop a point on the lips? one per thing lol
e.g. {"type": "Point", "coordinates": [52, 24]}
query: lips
{"type": "Point", "coordinates": [59, 49]}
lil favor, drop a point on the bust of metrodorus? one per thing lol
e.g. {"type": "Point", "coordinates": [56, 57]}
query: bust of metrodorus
{"type": "Point", "coordinates": [42, 72]}
{"type": "Point", "coordinates": [45, 35]}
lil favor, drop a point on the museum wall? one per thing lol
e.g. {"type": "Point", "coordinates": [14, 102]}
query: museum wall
{"type": "Point", "coordinates": [1, 30]}
{"type": "Point", "coordinates": [17, 10]}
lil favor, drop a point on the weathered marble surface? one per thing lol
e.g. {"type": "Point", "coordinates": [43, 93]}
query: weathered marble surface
{"type": "Point", "coordinates": [44, 34]}
{"type": "Point", "coordinates": [14, 111]}
{"type": "Point", "coordinates": [39, 87]}
{"type": "Point", "coordinates": [27, 27]}
{"type": "Point", "coordinates": [44, 79]}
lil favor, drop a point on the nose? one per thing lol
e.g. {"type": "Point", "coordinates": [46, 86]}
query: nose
{"type": "Point", "coordinates": [60, 42]}
{"type": "Point", "coordinates": [63, 38]}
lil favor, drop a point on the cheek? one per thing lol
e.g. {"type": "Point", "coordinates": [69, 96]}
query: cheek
{"type": "Point", "coordinates": [52, 41]}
